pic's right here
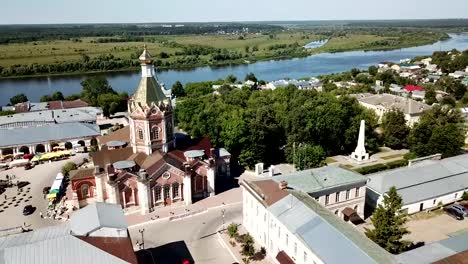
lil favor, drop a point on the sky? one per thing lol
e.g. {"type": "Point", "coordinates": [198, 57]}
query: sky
{"type": "Point", "coordinates": [126, 11]}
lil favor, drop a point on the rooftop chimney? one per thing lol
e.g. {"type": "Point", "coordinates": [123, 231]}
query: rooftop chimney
{"type": "Point", "coordinates": [258, 169]}
{"type": "Point", "coordinates": [271, 171]}
{"type": "Point", "coordinates": [143, 174]}
{"type": "Point", "coordinates": [97, 170]}
{"type": "Point", "coordinates": [283, 185]}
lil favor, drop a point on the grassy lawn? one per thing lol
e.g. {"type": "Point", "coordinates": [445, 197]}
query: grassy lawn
{"type": "Point", "coordinates": [348, 166]}
{"type": "Point", "coordinates": [329, 160]}
{"type": "Point", "coordinates": [392, 157]}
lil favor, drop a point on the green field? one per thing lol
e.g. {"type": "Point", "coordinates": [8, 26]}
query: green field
{"type": "Point", "coordinates": [240, 48]}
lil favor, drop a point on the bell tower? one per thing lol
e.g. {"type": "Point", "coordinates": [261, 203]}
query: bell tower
{"type": "Point", "coordinates": [150, 112]}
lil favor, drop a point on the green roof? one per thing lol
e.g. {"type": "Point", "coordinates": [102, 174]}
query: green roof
{"type": "Point", "coordinates": [319, 179]}
{"type": "Point", "coordinates": [360, 240]}
{"type": "Point", "coordinates": [148, 91]}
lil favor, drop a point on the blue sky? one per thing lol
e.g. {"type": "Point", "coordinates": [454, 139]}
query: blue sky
{"type": "Point", "coordinates": [126, 11]}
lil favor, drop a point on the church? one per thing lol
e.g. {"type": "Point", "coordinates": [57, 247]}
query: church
{"type": "Point", "coordinates": [143, 166]}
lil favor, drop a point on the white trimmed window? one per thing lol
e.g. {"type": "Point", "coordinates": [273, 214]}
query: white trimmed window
{"type": "Point", "coordinates": [327, 199]}
{"type": "Point", "coordinates": [140, 133]}
{"type": "Point", "coordinates": [157, 193]}
{"type": "Point", "coordinates": [155, 132]}
{"type": "Point", "coordinates": [167, 192]}
{"type": "Point", "coordinates": [357, 192]}
{"type": "Point", "coordinates": [347, 194]}
{"type": "Point", "coordinates": [337, 197]}
{"type": "Point", "coordinates": [175, 190]}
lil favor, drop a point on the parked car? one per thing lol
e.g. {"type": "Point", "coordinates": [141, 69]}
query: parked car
{"type": "Point", "coordinates": [28, 209]}
{"type": "Point", "coordinates": [460, 208]}
{"type": "Point", "coordinates": [454, 213]}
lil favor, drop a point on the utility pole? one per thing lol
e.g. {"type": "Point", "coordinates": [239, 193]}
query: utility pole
{"type": "Point", "coordinates": [142, 245]}
{"type": "Point", "coordinates": [222, 214]}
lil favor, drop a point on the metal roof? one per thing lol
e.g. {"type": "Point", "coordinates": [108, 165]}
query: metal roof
{"type": "Point", "coordinates": [330, 238]}
{"type": "Point", "coordinates": [82, 114]}
{"type": "Point", "coordinates": [96, 216]}
{"type": "Point", "coordinates": [52, 244]}
{"type": "Point", "coordinates": [194, 153]}
{"type": "Point", "coordinates": [46, 133]}
{"type": "Point", "coordinates": [148, 91]}
{"type": "Point", "coordinates": [124, 164]}
{"type": "Point", "coordinates": [435, 251]}
{"type": "Point", "coordinates": [319, 179]}
{"type": "Point", "coordinates": [116, 143]}
{"type": "Point", "coordinates": [424, 180]}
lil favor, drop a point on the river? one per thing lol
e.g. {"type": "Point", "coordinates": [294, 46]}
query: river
{"type": "Point", "coordinates": [314, 65]}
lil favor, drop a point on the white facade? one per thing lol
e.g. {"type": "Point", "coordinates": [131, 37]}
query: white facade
{"type": "Point", "coordinates": [353, 198]}
{"type": "Point", "coordinates": [419, 206]}
{"type": "Point", "coordinates": [271, 234]}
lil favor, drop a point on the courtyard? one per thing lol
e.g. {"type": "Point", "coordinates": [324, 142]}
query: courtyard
{"type": "Point", "coordinates": [40, 176]}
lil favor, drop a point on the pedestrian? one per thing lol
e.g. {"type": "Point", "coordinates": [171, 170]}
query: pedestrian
{"type": "Point", "coordinates": [6, 197]}
{"type": "Point", "coordinates": [40, 214]}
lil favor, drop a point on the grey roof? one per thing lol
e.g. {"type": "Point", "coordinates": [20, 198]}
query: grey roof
{"type": "Point", "coordinates": [435, 251]}
{"type": "Point", "coordinates": [52, 244]}
{"type": "Point", "coordinates": [116, 143]}
{"type": "Point", "coordinates": [124, 164]}
{"type": "Point", "coordinates": [82, 114]}
{"type": "Point", "coordinates": [223, 152]}
{"type": "Point", "coordinates": [330, 238]}
{"type": "Point", "coordinates": [96, 216]}
{"type": "Point", "coordinates": [46, 133]}
{"type": "Point", "coordinates": [194, 153]}
{"type": "Point", "coordinates": [319, 179]}
{"type": "Point", "coordinates": [389, 101]}
{"type": "Point", "coordinates": [424, 180]}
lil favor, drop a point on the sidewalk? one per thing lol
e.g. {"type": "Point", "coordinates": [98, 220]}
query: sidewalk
{"type": "Point", "coordinates": [173, 213]}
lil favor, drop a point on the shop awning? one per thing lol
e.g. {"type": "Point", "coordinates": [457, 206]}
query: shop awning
{"type": "Point", "coordinates": [54, 191]}
{"type": "Point", "coordinates": [283, 258]}
{"type": "Point", "coordinates": [51, 195]}
{"type": "Point", "coordinates": [348, 212]}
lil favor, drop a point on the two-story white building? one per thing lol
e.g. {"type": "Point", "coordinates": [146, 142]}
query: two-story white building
{"type": "Point", "coordinates": [294, 228]}
{"type": "Point", "coordinates": [340, 190]}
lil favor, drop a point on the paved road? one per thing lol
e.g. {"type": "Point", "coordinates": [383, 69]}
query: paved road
{"type": "Point", "coordinates": [198, 232]}
{"type": "Point", "coordinates": [39, 177]}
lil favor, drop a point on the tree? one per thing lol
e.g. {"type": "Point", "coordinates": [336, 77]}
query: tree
{"type": "Point", "coordinates": [248, 249]}
{"type": "Point", "coordinates": [250, 77]}
{"type": "Point", "coordinates": [395, 129]}
{"type": "Point", "coordinates": [231, 79]}
{"type": "Point", "coordinates": [372, 70]}
{"type": "Point", "coordinates": [232, 230]}
{"type": "Point", "coordinates": [355, 72]}
{"type": "Point", "coordinates": [19, 98]}
{"type": "Point", "coordinates": [439, 130]}
{"type": "Point", "coordinates": [388, 221]}
{"type": "Point", "coordinates": [68, 145]}
{"type": "Point", "coordinates": [69, 166]}
{"type": "Point", "coordinates": [178, 90]}
{"type": "Point", "coordinates": [93, 87]}
{"type": "Point", "coordinates": [308, 156]}
{"type": "Point", "coordinates": [430, 95]}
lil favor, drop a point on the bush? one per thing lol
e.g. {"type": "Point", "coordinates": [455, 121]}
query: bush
{"type": "Point", "coordinates": [232, 230]}
{"type": "Point", "coordinates": [69, 166]}
{"type": "Point", "coordinates": [465, 196]}
{"type": "Point", "coordinates": [381, 167]}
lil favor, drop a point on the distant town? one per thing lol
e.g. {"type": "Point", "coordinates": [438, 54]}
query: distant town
{"type": "Point", "coordinates": [369, 165]}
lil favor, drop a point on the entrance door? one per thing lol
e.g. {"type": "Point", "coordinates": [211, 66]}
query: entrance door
{"type": "Point", "coordinates": [421, 207]}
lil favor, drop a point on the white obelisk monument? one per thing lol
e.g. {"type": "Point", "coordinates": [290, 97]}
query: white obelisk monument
{"type": "Point", "coordinates": [360, 153]}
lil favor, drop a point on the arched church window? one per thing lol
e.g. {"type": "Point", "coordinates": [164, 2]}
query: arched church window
{"type": "Point", "coordinates": [85, 190]}
{"type": "Point", "coordinates": [140, 133]}
{"type": "Point", "coordinates": [155, 132]}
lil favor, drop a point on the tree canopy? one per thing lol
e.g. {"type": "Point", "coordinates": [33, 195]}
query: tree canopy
{"type": "Point", "coordinates": [395, 129]}
{"type": "Point", "coordinates": [388, 222]}
{"type": "Point", "coordinates": [178, 90]}
{"type": "Point", "coordinates": [19, 98]}
{"type": "Point", "coordinates": [264, 126]}
{"type": "Point", "coordinates": [439, 130]}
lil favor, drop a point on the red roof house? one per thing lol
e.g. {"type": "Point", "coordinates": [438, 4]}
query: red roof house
{"type": "Point", "coordinates": [412, 88]}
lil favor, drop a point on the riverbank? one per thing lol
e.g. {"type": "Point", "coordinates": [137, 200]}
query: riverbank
{"type": "Point", "coordinates": [69, 58]}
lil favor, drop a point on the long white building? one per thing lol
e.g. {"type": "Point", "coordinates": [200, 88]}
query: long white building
{"type": "Point", "coordinates": [294, 228]}
{"type": "Point", "coordinates": [422, 186]}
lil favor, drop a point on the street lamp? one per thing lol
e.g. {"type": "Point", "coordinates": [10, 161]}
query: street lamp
{"type": "Point", "coordinates": [142, 245]}
{"type": "Point", "coordinates": [222, 214]}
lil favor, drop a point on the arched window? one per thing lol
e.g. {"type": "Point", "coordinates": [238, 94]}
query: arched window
{"type": "Point", "coordinates": [85, 190]}
{"type": "Point", "coordinates": [155, 132]}
{"type": "Point", "coordinates": [140, 133]}
{"type": "Point", "coordinates": [175, 190]}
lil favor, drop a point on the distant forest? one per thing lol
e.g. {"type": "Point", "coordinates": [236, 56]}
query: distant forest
{"type": "Point", "coordinates": [28, 33]}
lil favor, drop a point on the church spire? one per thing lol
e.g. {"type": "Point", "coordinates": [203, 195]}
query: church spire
{"type": "Point", "coordinates": [149, 90]}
